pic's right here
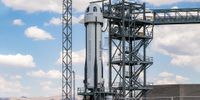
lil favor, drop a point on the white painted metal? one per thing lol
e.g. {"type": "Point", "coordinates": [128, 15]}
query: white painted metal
{"type": "Point", "coordinates": [93, 21]}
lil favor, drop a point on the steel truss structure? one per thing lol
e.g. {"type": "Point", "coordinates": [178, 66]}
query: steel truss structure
{"type": "Point", "coordinates": [67, 50]}
{"type": "Point", "coordinates": [129, 35]}
{"type": "Point", "coordinates": [176, 16]}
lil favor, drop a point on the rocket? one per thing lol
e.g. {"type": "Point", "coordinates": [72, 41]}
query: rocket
{"type": "Point", "coordinates": [93, 21]}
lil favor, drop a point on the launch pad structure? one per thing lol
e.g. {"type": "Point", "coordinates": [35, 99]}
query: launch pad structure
{"type": "Point", "coordinates": [131, 28]}
{"type": "Point", "coordinates": [129, 35]}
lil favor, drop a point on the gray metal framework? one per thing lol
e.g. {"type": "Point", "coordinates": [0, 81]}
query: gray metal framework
{"type": "Point", "coordinates": [176, 16]}
{"type": "Point", "coordinates": [67, 72]}
{"type": "Point", "coordinates": [129, 35]}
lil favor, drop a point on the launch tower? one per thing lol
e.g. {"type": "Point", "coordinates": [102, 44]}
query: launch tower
{"type": "Point", "coordinates": [130, 32]}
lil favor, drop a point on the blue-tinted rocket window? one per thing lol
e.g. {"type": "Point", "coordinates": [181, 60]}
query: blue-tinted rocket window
{"type": "Point", "coordinates": [95, 9]}
{"type": "Point", "coordinates": [88, 9]}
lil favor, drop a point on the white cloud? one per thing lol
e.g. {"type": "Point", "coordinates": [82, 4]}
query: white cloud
{"type": "Point", "coordinates": [170, 78]}
{"type": "Point", "coordinates": [165, 74]}
{"type": "Point", "coordinates": [180, 43]}
{"type": "Point", "coordinates": [54, 74]}
{"type": "Point", "coordinates": [80, 6]}
{"type": "Point", "coordinates": [49, 88]}
{"type": "Point", "coordinates": [163, 2]}
{"type": "Point", "coordinates": [46, 85]}
{"type": "Point", "coordinates": [77, 56]}
{"type": "Point", "coordinates": [181, 78]}
{"type": "Point", "coordinates": [54, 21]}
{"type": "Point", "coordinates": [17, 60]}
{"type": "Point", "coordinates": [8, 86]}
{"type": "Point", "coordinates": [38, 34]}
{"type": "Point", "coordinates": [31, 6]}
{"type": "Point", "coordinates": [16, 77]}
{"type": "Point", "coordinates": [51, 74]}
{"type": "Point", "coordinates": [38, 73]}
{"type": "Point", "coordinates": [55, 6]}
{"type": "Point", "coordinates": [11, 87]}
{"type": "Point", "coordinates": [77, 20]}
{"type": "Point", "coordinates": [18, 22]}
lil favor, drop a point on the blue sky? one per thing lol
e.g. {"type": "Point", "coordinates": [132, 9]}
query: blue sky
{"type": "Point", "coordinates": [31, 44]}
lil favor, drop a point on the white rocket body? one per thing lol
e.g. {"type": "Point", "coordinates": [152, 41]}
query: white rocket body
{"type": "Point", "coordinates": [93, 65]}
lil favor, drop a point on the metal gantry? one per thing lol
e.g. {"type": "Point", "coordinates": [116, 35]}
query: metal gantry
{"type": "Point", "coordinates": [176, 16]}
{"type": "Point", "coordinates": [67, 50]}
{"type": "Point", "coordinates": [129, 35]}
{"type": "Point", "coordinates": [130, 32]}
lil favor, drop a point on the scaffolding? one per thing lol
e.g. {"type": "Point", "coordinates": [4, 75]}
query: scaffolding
{"type": "Point", "coordinates": [129, 35]}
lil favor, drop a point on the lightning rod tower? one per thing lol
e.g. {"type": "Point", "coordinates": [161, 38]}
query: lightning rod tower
{"type": "Point", "coordinates": [67, 72]}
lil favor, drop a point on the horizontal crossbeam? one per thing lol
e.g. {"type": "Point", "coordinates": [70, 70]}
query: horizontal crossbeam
{"type": "Point", "coordinates": [176, 16]}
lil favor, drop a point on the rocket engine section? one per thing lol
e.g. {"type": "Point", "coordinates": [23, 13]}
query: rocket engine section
{"type": "Point", "coordinates": [93, 65]}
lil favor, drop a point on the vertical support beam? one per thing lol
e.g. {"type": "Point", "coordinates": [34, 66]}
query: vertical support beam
{"type": "Point", "coordinates": [144, 52]}
{"type": "Point", "coordinates": [74, 85]}
{"type": "Point", "coordinates": [131, 67]}
{"type": "Point", "coordinates": [123, 50]}
{"type": "Point", "coordinates": [110, 51]}
{"type": "Point", "coordinates": [67, 50]}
